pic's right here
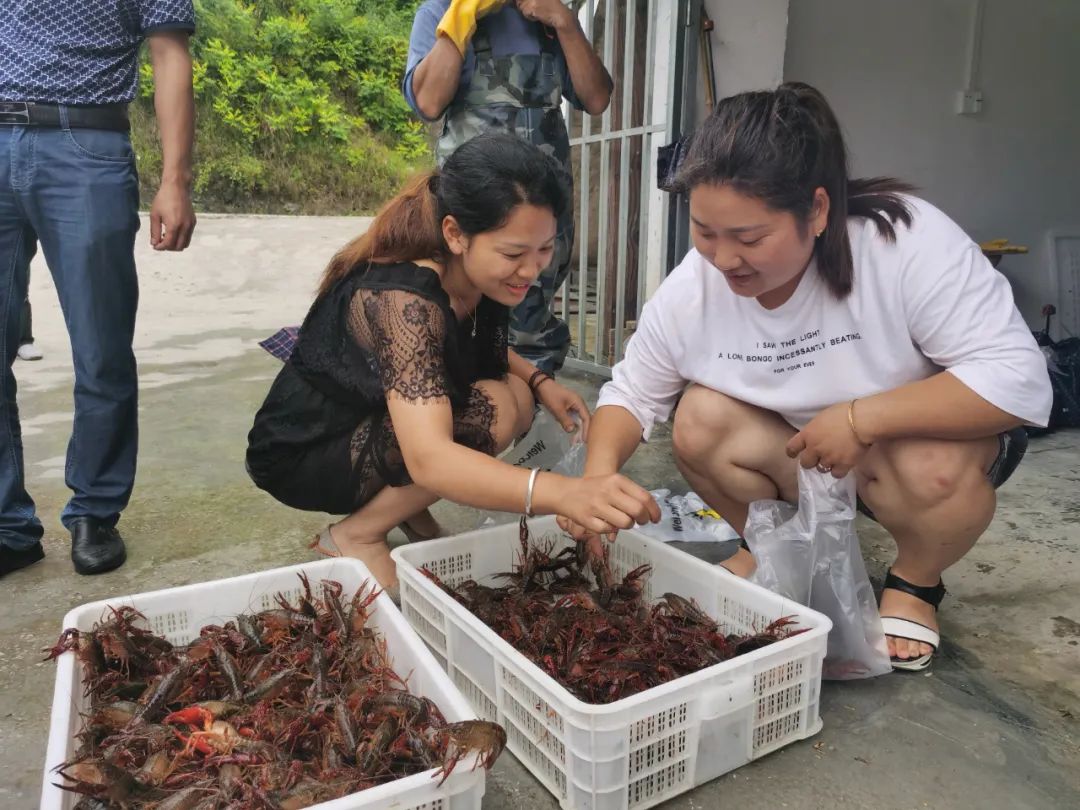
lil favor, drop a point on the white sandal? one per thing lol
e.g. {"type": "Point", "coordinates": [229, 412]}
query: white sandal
{"type": "Point", "coordinates": [912, 631]}
{"type": "Point", "coordinates": [908, 629]}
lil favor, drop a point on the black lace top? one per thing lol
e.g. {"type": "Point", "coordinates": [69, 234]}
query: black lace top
{"type": "Point", "coordinates": [380, 329]}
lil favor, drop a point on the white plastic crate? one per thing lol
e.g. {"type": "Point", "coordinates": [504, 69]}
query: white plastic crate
{"type": "Point", "coordinates": [179, 613]}
{"type": "Point", "coordinates": [644, 749]}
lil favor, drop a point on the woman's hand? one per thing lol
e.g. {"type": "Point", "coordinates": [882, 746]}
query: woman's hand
{"type": "Point", "coordinates": [563, 404]}
{"type": "Point", "coordinates": [828, 443]}
{"type": "Point", "coordinates": [602, 505]}
{"type": "Point", "coordinates": [552, 13]}
{"type": "Point", "coordinates": [594, 541]}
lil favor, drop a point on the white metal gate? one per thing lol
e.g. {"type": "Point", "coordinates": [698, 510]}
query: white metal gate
{"type": "Point", "coordinates": [622, 218]}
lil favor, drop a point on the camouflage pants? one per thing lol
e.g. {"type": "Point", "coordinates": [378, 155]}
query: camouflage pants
{"type": "Point", "coordinates": [536, 331]}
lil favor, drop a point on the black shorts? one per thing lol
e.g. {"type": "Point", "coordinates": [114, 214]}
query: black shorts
{"type": "Point", "coordinates": [318, 478]}
{"type": "Point", "coordinates": [1011, 448]}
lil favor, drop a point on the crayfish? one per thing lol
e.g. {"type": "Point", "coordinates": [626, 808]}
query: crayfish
{"type": "Point", "coordinates": [592, 631]}
{"type": "Point", "coordinates": [285, 708]}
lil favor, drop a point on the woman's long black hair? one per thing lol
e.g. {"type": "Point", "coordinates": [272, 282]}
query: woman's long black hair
{"type": "Point", "coordinates": [479, 185]}
{"type": "Point", "coordinates": [780, 147]}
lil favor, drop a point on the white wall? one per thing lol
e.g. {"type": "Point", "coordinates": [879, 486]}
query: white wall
{"type": "Point", "coordinates": [892, 70]}
{"type": "Point", "coordinates": [748, 46]}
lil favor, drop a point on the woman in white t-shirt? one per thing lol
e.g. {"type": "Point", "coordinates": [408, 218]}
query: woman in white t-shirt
{"type": "Point", "coordinates": [835, 323]}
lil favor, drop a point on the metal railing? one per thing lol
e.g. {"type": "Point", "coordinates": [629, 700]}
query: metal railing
{"type": "Point", "coordinates": [622, 218]}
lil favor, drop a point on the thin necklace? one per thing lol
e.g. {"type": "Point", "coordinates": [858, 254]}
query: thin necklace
{"type": "Point", "coordinates": [472, 314]}
{"type": "Point", "coordinates": [464, 306]}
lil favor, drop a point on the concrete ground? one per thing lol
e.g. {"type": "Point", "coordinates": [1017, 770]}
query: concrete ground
{"type": "Point", "coordinates": [995, 724]}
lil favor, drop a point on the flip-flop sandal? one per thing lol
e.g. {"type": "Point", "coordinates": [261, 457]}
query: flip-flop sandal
{"type": "Point", "coordinates": [898, 627]}
{"type": "Point", "coordinates": [324, 544]}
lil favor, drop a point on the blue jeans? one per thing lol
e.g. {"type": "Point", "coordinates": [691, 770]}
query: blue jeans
{"type": "Point", "coordinates": [75, 192]}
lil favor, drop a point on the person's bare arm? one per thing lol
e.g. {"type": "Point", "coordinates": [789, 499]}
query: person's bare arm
{"type": "Point", "coordinates": [616, 434]}
{"type": "Point", "coordinates": [938, 407]}
{"type": "Point", "coordinates": [172, 217]}
{"type": "Point", "coordinates": [590, 78]}
{"type": "Point", "coordinates": [568, 408]}
{"type": "Point", "coordinates": [519, 366]}
{"type": "Point", "coordinates": [436, 78]}
{"type": "Point", "coordinates": [418, 401]}
{"type": "Point", "coordinates": [463, 475]}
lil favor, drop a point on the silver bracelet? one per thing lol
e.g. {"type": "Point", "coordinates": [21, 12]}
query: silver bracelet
{"type": "Point", "coordinates": [529, 492]}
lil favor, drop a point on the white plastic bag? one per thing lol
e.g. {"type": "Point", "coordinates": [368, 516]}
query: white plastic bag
{"type": "Point", "coordinates": [687, 518]}
{"type": "Point", "coordinates": [812, 556]}
{"type": "Point", "coordinates": [547, 446]}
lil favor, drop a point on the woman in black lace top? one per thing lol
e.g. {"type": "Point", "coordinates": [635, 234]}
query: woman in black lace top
{"type": "Point", "coordinates": [401, 388]}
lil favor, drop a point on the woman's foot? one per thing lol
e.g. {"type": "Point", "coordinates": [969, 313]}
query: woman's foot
{"type": "Point", "coordinates": [421, 526]}
{"type": "Point", "coordinates": [741, 563]}
{"type": "Point", "coordinates": [373, 552]}
{"type": "Point", "coordinates": [905, 606]}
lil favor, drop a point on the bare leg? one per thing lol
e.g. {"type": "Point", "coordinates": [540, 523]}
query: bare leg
{"type": "Point", "coordinates": [423, 525]}
{"type": "Point", "coordinates": [934, 498]}
{"type": "Point", "coordinates": [363, 533]}
{"type": "Point", "coordinates": [732, 454]}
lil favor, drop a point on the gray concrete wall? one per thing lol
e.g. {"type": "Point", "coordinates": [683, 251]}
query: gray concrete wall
{"type": "Point", "coordinates": [748, 45]}
{"type": "Point", "coordinates": [892, 72]}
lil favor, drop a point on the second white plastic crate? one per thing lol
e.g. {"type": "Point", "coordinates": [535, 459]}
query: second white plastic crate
{"type": "Point", "coordinates": [178, 614]}
{"type": "Point", "coordinates": [644, 749]}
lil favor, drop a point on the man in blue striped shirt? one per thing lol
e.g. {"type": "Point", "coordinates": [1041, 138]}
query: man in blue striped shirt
{"type": "Point", "coordinates": [68, 182]}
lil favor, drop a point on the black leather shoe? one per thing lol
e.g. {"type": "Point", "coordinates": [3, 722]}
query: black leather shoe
{"type": "Point", "coordinates": [12, 559]}
{"type": "Point", "coordinates": [95, 546]}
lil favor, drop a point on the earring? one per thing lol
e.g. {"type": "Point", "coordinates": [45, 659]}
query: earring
{"type": "Point", "coordinates": [819, 233]}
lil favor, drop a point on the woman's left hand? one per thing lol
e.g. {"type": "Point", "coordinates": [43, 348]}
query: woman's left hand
{"type": "Point", "coordinates": [563, 404]}
{"type": "Point", "coordinates": [828, 443]}
{"type": "Point", "coordinates": [553, 13]}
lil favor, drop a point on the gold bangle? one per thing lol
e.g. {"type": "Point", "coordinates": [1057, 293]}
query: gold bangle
{"type": "Point", "coordinates": [851, 421]}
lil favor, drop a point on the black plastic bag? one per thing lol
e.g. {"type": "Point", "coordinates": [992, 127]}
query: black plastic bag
{"type": "Point", "coordinates": [1063, 364]}
{"type": "Point", "coordinates": [668, 160]}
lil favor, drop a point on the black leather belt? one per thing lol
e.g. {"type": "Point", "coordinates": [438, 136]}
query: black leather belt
{"type": "Point", "coordinates": [34, 114]}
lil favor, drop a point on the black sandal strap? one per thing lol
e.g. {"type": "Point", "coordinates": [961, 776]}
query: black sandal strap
{"type": "Point", "coordinates": [932, 595]}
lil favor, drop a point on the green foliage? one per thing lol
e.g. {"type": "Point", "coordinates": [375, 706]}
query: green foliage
{"type": "Point", "coordinates": [299, 105]}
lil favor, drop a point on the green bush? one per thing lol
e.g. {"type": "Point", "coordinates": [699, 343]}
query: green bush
{"type": "Point", "coordinates": [299, 106]}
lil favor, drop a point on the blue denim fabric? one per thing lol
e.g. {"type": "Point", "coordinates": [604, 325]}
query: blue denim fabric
{"type": "Point", "coordinates": [75, 192]}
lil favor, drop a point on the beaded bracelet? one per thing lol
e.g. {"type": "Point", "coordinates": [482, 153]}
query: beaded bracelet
{"type": "Point", "coordinates": [534, 384]}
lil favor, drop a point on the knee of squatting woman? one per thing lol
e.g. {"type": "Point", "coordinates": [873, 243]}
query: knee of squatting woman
{"type": "Point", "coordinates": [402, 388]}
{"type": "Point", "coordinates": [835, 323]}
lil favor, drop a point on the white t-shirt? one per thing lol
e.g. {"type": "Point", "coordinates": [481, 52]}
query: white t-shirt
{"type": "Point", "coordinates": [928, 301]}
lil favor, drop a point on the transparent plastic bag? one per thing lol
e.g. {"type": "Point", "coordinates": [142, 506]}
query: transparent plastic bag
{"type": "Point", "coordinates": [811, 555]}
{"type": "Point", "coordinates": [547, 446]}
{"type": "Point", "coordinates": [687, 518]}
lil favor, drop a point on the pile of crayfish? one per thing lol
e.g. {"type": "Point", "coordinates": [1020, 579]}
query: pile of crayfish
{"type": "Point", "coordinates": [285, 708]}
{"type": "Point", "coordinates": [596, 636]}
